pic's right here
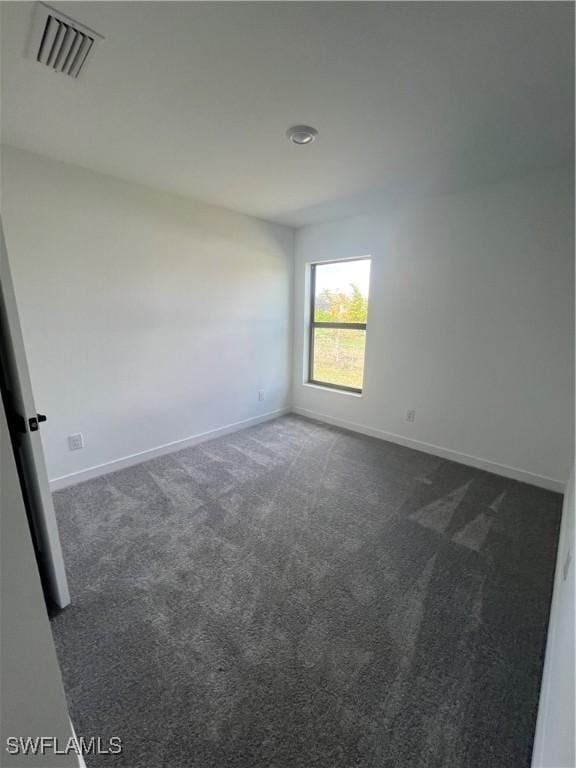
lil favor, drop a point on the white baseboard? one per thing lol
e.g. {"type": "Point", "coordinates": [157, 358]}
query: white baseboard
{"type": "Point", "coordinates": [64, 481]}
{"type": "Point", "coordinates": [446, 453]}
{"type": "Point", "coordinates": [80, 756]}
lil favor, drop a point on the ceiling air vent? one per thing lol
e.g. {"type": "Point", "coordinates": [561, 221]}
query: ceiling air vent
{"type": "Point", "coordinates": [61, 43]}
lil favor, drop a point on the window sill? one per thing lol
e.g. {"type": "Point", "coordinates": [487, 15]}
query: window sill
{"type": "Point", "coordinates": [331, 389]}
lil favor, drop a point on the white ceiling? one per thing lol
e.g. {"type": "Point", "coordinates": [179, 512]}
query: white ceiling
{"type": "Point", "coordinates": [409, 98]}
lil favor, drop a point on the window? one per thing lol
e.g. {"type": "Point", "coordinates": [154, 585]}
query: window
{"type": "Point", "coordinates": [338, 312]}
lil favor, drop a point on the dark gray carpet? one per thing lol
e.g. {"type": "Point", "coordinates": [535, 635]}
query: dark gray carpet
{"type": "Point", "coordinates": [298, 596]}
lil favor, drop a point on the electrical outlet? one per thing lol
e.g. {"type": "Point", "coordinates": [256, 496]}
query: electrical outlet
{"type": "Point", "coordinates": [75, 442]}
{"type": "Point", "coordinates": [260, 395]}
{"type": "Point", "coordinates": [411, 416]}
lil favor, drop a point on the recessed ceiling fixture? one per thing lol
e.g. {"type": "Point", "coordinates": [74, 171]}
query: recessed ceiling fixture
{"type": "Point", "coordinates": [302, 134]}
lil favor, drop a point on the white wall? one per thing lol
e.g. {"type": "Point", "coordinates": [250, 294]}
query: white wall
{"type": "Point", "coordinates": [470, 323]}
{"type": "Point", "coordinates": [147, 318]}
{"type": "Point", "coordinates": [554, 744]}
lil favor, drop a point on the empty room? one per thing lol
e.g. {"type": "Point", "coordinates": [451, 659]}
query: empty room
{"type": "Point", "coordinates": [287, 375]}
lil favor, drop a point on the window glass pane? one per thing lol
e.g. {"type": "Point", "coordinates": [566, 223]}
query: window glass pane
{"type": "Point", "coordinates": [339, 356]}
{"type": "Point", "coordinates": [341, 291]}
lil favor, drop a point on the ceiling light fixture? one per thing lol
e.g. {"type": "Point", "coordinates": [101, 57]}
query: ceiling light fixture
{"type": "Point", "coordinates": [302, 134]}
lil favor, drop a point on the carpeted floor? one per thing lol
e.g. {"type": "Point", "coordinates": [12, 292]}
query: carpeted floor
{"type": "Point", "coordinates": [298, 596]}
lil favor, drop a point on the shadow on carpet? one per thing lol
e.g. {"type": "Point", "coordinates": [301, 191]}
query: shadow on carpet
{"type": "Point", "coordinates": [299, 596]}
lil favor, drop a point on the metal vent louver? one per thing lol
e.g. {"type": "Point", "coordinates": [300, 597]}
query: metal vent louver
{"type": "Point", "coordinates": [61, 43]}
